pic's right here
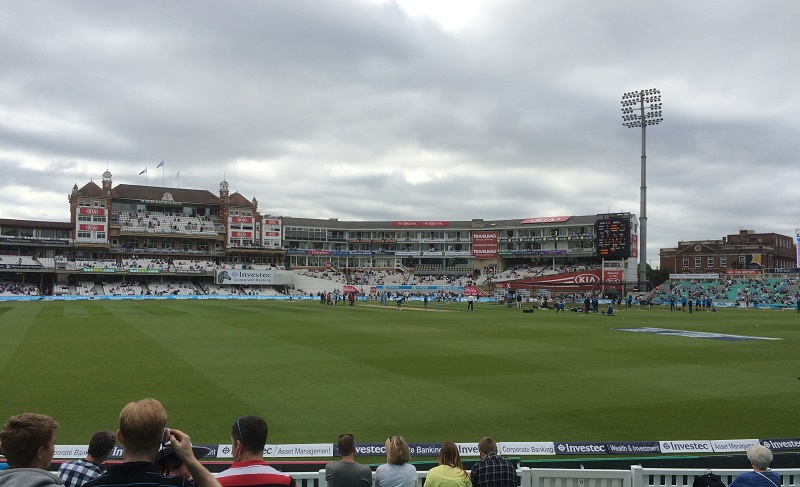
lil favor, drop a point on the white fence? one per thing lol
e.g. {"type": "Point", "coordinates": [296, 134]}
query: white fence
{"type": "Point", "coordinates": [635, 477]}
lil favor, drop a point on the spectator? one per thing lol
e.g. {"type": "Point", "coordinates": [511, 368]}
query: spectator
{"type": "Point", "coordinates": [346, 472]}
{"type": "Point", "coordinates": [396, 472]}
{"type": "Point", "coordinates": [492, 470]}
{"type": "Point", "coordinates": [28, 442]}
{"type": "Point", "coordinates": [450, 472]}
{"type": "Point", "coordinates": [248, 438]}
{"type": "Point", "coordinates": [760, 457]}
{"type": "Point", "coordinates": [142, 429]}
{"type": "Point", "coordinates": [78, 472]}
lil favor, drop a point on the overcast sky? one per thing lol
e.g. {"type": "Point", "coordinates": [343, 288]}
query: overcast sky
{"type": "Point", "coordinates": [412, 110]}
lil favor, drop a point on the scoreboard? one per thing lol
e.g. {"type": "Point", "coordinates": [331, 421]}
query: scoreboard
{"type": "Point", "coordinates": [613, 237]}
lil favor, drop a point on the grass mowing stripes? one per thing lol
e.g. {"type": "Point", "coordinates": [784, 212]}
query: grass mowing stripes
{"type": "Point", "coordinates": [316, 371]}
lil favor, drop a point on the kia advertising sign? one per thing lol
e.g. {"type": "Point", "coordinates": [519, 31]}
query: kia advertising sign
{"type": "Point", "coordinates": [91, 211]}
{"type": "Point", "coordinates": [613, 277]}
{"type": "Point", "coordinates": [241, 234]}
{"type": "Point", "coordinates": [485, 245]}
{"type": "Point", "coordinates": [577, 281]}
{"type": "Point", "coordinates": [242, 219]}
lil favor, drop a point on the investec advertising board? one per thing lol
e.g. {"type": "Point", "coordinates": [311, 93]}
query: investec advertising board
{"type": "Point", "coordinates": [515, 449]}
{"type": "Point", "coordinates": [254, 277]}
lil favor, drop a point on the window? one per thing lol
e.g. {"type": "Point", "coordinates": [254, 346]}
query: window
{"type": "Point", "coordinates": [723, 262]}
{"type": "Point", "coordinates": [742, 259]}
{"type": "Point", "coordinates": [710, 262]}
{"type": "Point", "coordinates": [685, 262]}
{"type": "Point", "coordinates": [697, 261]}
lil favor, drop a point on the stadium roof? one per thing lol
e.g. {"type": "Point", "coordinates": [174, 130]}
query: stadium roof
{"type": "Point", "coordinates": [7, 222]}
{"type": "Point", "coordinates": [237, 199]}
{"type": "Point", "coordinates": [156, 193]}
{"type": "Point", "coordinates": [476, 224]}
{"type": "Point", "coordinates": [91, 189]}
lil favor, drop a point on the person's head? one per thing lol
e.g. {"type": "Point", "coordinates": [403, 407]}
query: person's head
{"type": "Point", "coordinates": [397, 452]}
{"type": "Point", "coordinates": [448, 455]}
{"type": "Point", "coordinates": [759, 455]}
{"type": "Point", "coordinates": [141, 427]}
{"type": "Point", "coordinates": [486, 446]}
{"type": "Point", "coordinates": [28, 440]}
{"type": "Point", "coordinates": [101, 444]}
{"type": "Point", "coordinates": [346, 445]}
{"type": "Point", "coordinates": [249, 435]}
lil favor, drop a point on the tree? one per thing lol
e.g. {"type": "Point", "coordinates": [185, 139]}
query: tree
{"type": "Point", "coordinates": [656, 276]}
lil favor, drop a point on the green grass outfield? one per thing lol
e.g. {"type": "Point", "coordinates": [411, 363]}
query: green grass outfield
{"type": "Point", "coordinates": [316, 371]}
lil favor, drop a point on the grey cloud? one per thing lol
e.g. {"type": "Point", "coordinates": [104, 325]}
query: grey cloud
{"type": "Point", "coordinates": [332, 109]}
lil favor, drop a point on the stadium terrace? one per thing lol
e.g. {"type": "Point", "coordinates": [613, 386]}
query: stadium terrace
{"type": "Point", "coordinates": [148, 240]}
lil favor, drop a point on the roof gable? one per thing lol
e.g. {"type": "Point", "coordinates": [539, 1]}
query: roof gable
{"type": "Point", "coordinates": [237, 199]}
{"type": "Point", "coordinates": [91, 190]}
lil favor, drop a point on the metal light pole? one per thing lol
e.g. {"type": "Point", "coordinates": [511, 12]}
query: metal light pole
{"type": "Point", "coordinates": [648, 105]}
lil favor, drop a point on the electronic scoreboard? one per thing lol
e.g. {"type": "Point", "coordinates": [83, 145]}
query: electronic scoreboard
{"type": "Point", "coordinates": [613, 234]}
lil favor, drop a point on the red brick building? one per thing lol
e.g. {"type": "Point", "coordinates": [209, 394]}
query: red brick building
{"type": "Point", "coordinates": [745, 250]}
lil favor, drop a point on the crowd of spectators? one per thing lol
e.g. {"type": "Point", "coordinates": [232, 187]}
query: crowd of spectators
{"type": "Point", "coordinates": [159, 222]}
{"type": "Point", "coordinates": [122, 289]}
{"type": "Point", "coordinates": [782, 292]}
{"type": "Point", "coordinates": [158, 456]}
{"type": "Point", "coordinates": [8, 288]}
{"type": "Point", "coordinates": [745, 293]}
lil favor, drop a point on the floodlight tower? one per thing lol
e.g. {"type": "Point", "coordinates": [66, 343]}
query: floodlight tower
{"type": "Point", "coordinates": [640, 109]}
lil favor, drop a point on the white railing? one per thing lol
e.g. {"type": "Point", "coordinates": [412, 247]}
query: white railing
{"type": "Point", "coordinates": [546, 477]}
{"type": "Point", "coordinates": [684, 477]}
{"type": "Point", "coordinates": [635, 477]}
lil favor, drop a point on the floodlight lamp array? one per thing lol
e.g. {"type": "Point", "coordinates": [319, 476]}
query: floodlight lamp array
{"type": "Point", "coordinates": [633, 102]}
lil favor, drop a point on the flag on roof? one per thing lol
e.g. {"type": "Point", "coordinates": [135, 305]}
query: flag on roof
{"type": "Point", "coordinates": [160, 164]}
{"type": "Point", "coordinates": [143, 172]}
